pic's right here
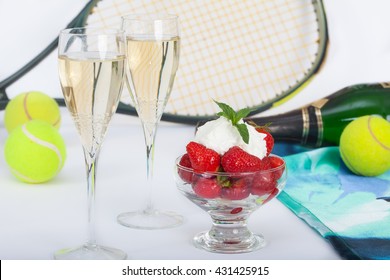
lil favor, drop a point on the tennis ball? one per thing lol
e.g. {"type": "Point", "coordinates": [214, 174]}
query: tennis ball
{"type": "Point", "coordinates": [365, 146]}
{"type": "Point", "coordinates": [35, 152]}
{"type": "Point", "coordinates": [30, 106]}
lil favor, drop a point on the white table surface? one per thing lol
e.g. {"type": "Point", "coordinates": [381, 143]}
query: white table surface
{"type": "Point", "coordinates": [36, 220]}
{"type": "Point", "coordinates": [39, 219]}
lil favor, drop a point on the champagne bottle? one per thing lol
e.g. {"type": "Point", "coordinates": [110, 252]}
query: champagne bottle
{"type": "Point", "coordinates": [322, 122]}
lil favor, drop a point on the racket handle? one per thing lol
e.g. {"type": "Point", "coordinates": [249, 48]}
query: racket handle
{"type": "Point", "coordinates": [322, 122]}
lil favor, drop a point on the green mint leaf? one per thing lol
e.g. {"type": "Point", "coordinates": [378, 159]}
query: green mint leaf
{"type": "Point", "coordinates": [227, 111]}
{"type": "Point", "coordinates": [222, 114]}
{"type": "Point", "coordinates": [243, 130]}
{"type": "Point", "coordinates": [243, 113]}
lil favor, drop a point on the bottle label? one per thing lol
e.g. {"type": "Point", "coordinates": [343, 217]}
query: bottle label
{"type": "Point", "coordinates": [313, 128]}
{"type": "Point", "coordinates": [385, 85]}
{"type": "Point", "coordinates": [320, 103]}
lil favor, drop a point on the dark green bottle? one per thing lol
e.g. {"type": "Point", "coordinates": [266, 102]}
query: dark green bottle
{"type": "Point", "coordinates": [322, 122]}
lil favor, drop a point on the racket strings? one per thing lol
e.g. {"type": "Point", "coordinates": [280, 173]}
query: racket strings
{"type": "Point", "coordinates": [244, 53]}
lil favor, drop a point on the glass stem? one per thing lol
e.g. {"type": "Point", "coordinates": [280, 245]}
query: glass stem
{"type": "Point", "coordinates": [149, 171]}
{"type": "Point", "coordinates": [91, 165]}
{"type": "Point", "coordinates": [230, 231]}
{"type": "Point", "coordinates": [150, 135]}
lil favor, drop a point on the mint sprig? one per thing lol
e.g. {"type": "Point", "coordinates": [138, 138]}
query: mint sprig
{"type": "Point", "coordinates": [229, 113]}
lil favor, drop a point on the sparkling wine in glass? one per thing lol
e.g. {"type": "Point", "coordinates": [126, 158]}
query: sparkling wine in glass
{"type": "Point", "coordinates": [91, 70]}
{"type": "Point", "coordinates": [153, 47]}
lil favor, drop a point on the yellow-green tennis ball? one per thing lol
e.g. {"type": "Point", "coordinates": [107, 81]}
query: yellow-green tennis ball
{"type": "Point", "coordinates": [35, 152]}
{"type": "Point", "coordinates": [33, 105]}
{"type": "Point", "coordinates": [365, 146]}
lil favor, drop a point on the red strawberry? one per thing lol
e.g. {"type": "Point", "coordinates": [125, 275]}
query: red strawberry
{"type": "Point", "coordinates": [185, 175]}
{"type": "Point", "coordinates": [236, 210]}
{"type": "Point", "coordinates": [202, 158]}
{"type": "Point", "coordinates": [269, 139]}
{"type": "Point", "coordinates": [276, 162]}
{"type": "Point", "coordinates": [237, 160]}
{"type": "Point", "coordinates": [263, 183]}
{"type": "Point", "coordinates": [207, 187]}
{"type": "Point", "coordinates": [238, 190]}
{"type": "Point", "coordinates": [266, 163]}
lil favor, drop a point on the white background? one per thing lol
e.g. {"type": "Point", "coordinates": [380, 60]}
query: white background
{"type": "Point", "coordinates": [39, 219]}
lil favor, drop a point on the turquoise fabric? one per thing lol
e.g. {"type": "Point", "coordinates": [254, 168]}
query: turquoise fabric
{"type": "Point", "coordinates": [352, 212]}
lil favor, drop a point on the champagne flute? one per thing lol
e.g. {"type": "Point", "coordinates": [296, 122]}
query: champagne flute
{"type": "Point", "coordinates": [153, 46]}
{"type": "Point", "coordinates": [91, 70]}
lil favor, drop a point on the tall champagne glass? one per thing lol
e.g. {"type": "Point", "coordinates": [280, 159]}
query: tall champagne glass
{"type": "Point", "coordinates": [153, 45]}
{"type": "Point", "coordinates": [91, 70]}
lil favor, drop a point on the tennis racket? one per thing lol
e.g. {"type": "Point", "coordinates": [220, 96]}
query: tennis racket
{"type": "Point", "coordinates": [253, 53]}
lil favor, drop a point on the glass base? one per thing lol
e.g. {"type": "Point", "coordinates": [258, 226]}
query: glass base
{"type": "Point", "coordinates": [150, 220]}
{"type": "Point", "coordinates": [204, 240]}
{"type": "Point", "coordinates": [90, 252]}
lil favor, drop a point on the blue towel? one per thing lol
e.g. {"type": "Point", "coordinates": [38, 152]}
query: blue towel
{"type": "Point", "coordinates": [352, 212]}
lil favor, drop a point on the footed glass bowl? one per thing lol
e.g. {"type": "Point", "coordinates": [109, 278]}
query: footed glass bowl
{"type": "Point", "coordinates": [230, 198]}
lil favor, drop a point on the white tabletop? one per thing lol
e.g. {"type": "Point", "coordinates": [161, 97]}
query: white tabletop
{"type": "Point", "coordinates": [39, 219]}
{"type": "Point", "coordinates": [36, 220]}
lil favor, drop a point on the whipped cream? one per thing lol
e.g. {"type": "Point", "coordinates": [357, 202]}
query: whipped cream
{"type": "Point", "coordinates": [220, 135]}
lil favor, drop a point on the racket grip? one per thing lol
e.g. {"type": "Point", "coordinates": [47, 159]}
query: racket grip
{"type": "Point", "coordinates": [322, 122]}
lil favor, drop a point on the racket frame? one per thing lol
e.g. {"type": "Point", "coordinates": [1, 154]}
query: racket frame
{"type": "Point", "coordinates": [80, 21]}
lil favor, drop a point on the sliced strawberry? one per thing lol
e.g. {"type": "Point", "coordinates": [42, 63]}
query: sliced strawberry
{"type": "Point", "coordinates": [269, 139]}
{"type": "Point", "coordinates": [263, 183]}
{"type": "Point", "coordinates": [202, 158]}
{"type": "Point", "coordinates": [185, 175]}
{"type": "Point", "coordinates": [237, 160]}
{"type": "Point", "coordinates": [207, 187]}
{"type": "Point", "coordinates": [276, 162]}
{"type": "Point", "coordinates": [238, 190]}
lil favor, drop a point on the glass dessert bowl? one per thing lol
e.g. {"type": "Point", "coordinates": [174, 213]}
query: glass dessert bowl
{"type": "Point", "coordinates": [230, 198]}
